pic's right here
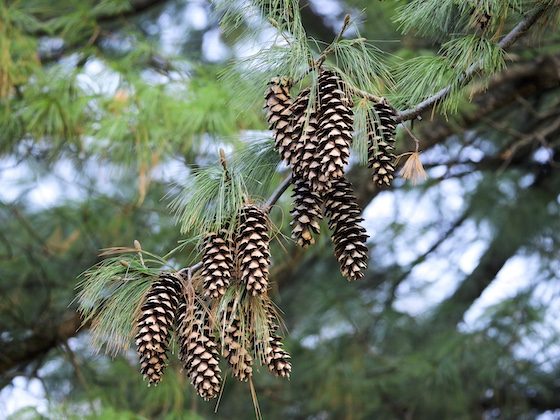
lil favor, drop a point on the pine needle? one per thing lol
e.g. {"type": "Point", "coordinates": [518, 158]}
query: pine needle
{"type": "Point", "coordinates": [110, 295]}
{"type": "Point", "coordinates": [363, 112]}
{"type": "Point", "coordinates": [465, 51]}
{"type": "Point", "coordinates": [213, 197]}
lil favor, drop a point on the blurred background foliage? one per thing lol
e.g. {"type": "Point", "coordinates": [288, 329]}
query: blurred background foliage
{"type": "Point", "coordinates": [108, 107]}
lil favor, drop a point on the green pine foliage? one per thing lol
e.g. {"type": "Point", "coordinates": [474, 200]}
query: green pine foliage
{"type": "Point", "coordinates": [94, 88]}
{"type": "Point", "coordinates": [110, 295]}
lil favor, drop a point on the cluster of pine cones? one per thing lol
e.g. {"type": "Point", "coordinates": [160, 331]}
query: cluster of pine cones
{"type": "Point", "coordinates": [313, 135]}
{"type": "Point", "coordinates": [223, 309]}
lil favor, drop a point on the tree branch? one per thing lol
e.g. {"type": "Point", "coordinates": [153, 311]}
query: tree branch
{"type": "Point", "coordinates": [278, 192]}
{"type": "Point", "coordinates": [519, 30]}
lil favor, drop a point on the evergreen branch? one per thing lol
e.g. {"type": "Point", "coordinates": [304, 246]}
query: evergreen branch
{"type": "Point", "coordinates": [274, 197]}
{"type": "Point", "coordinates": [517, 32]}
{"type": "Point", "coordinates": [332, 45]}
{"type": "Point", "coordinates": [278, 192]}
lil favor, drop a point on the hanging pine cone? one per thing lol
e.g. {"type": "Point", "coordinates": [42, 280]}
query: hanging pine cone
{"type": "Point", "coordinates": [381, 135]}
{"type": "Point", "coordinates": [348, 236]}
{"type": "Point", "coordinates": [217, 263]}
{"type": "Point", "coordinates": [253, 252]}
{"type": "Point", "coordinates": [306, 161]}
{"type": "Point", "coordinates": [298, 114]}
{"type": "Point", "coordinates": [305, 214]}
{"type": "Point", "coordinates": [276, 358]}
{"type": "Point", "coordinates": [336, 121]}
{"type": "Point", "coordinates": [198, 349]}
{"type": "Point", "coordinates": [279, 115]}
{"type": "Point", "coordinates": [234, 345]}
{"type": "Point", "coordinates": [155, 322]}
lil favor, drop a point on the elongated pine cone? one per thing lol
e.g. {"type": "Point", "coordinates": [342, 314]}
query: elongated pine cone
{"type": "Point", "coordinates": [276, 358]}
{"type": "Point", "coordinates": [217, 263]}
{"type": "Point", "coordinates": [381, 150]}
{"type": "Point", "coordinates": [234, 345]}
{"type": "Point", "coordinates": [306, 161]}
{"type": "Point", "coordinates": [305, 214]}
{"type": "Point", "coordinates": [298, 115]}
{"type": "Point", "coordinates": [253, 249]}
{"type": "Point", "coordinates": [336, 120]}
{"type": "Point", "coordinates": [279, 115]}
{"type": "Point", "coordinates": [157, 316]}
{"type": "Point", "coordinates": [348, 236]}
{"type": "Point", "coordinates": [198, 350]}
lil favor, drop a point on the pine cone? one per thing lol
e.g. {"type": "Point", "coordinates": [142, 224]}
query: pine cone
{"type": "Point", "coordinates": [253, 253]}
{"type": "Point", "coordinates": [234, 349]}
{"type": "Point", "coordinates": [217, 263]}
{"type": "Point", "coordinates": [198, 350]}
{"type": "Point", "coordinates": [348, 236]}
{"type": "Point", "coordinates": [305, 214]}
{"type": "Point", "coordinates": [276, 358]}
{"type": "Point", "coordinates": [306, 161]}
{"type": "Point", "coordinates": [155, 322]}
{"type": "Point", "coordinates": [279, 116]}
{"type": "Point", "coordinates": [336, 121]}
{"type": "Point", "coordinates": [381, 150]}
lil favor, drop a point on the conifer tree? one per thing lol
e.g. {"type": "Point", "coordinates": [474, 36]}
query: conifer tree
{"type": "Point", "coordinates": [95, 100]}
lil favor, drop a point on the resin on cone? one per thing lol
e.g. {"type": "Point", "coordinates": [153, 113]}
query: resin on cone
{"type": "Point", "coordinates": [276, 358]}
{"type": "Point", "coordinates": [306, 162]}
{"type": "Point", "coordinates": [336, 120]}
{"type": "Point", "coordinates": [279, 114]}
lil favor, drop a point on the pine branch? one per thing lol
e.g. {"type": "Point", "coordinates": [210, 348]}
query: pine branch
{"type": "Point", "coordinates": [517, 32]}
{"type": "Point", "coordinates": [279, 191]}
{"type": "Point", "coordinates": [274, 197]}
